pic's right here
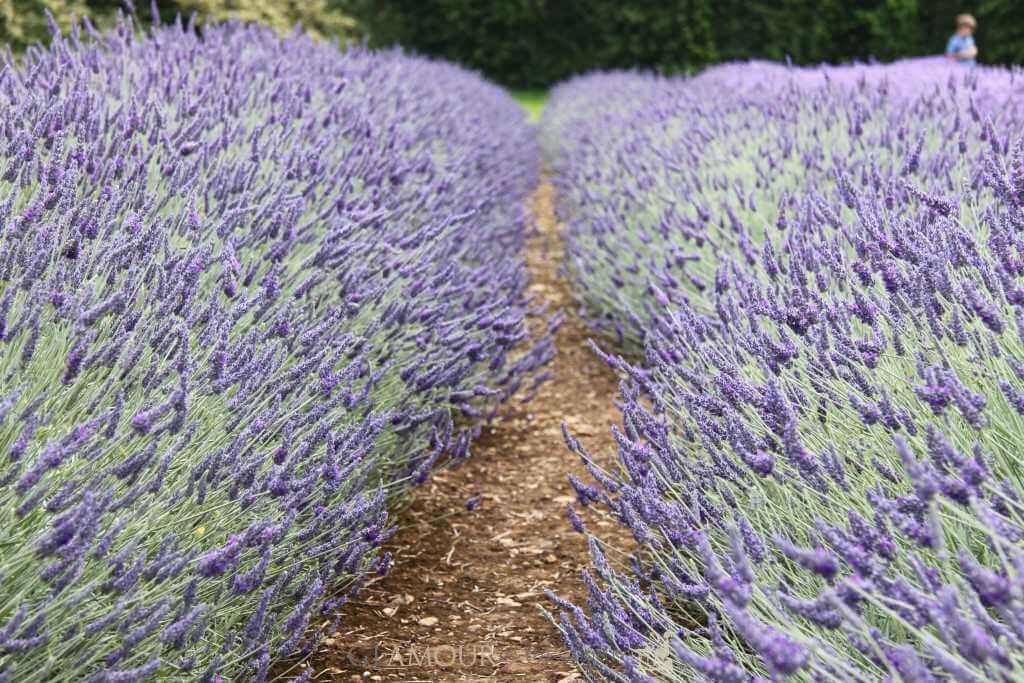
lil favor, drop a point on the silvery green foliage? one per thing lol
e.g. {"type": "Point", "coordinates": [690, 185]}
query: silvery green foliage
{"type": "Point", "coordinates": [251, 289]}
{"type": "Point", "coordinates": [821, 449]}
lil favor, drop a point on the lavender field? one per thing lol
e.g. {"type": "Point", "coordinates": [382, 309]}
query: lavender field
{"type": "Point", "coordinates": [262, 295]}
{"type": "Point", "coordinates": [815, 275]}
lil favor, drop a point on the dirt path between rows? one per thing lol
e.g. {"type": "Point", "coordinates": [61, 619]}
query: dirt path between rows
{"type": "Point", "coordinates": [462, 600]}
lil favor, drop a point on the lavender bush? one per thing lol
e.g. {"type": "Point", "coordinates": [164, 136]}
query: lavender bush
{"type": "Point", "coordinates": [658, 176]}
{"type": "Point", "coordinates": [251, 289]}
{"type": "Point", "coordinates": [820, 457]}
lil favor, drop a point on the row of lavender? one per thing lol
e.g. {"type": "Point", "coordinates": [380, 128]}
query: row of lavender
{"type": "Point", "coordinates": [251, 288]}
{"type": "Point", "coordinates": [820, 458]}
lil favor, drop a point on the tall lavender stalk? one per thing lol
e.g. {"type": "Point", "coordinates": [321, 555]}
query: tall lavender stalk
{"type": "Point", "coordinates": [820, 458]}
{"type": "Point", "coordinates": [251, 289]}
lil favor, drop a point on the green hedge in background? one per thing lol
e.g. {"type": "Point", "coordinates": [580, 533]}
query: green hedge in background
{"type": "Point", "coordinates": [534, 43]}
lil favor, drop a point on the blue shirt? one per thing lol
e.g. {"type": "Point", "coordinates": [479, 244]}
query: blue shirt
{"type": "Point", "coordinates": [959, 43]}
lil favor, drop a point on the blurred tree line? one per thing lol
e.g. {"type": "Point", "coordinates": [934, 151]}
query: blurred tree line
{"type": "Point", "coordinates": [23, 22]}
{"type": "Point", "coordinates": [534, 43]}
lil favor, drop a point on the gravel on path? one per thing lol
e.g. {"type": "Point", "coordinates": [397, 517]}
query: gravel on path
{"type": "Point", "coordinates": [462, 601]}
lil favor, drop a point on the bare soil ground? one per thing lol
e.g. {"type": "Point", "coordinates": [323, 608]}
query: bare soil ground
{"type": "Point", "coordinates": [462, 602]}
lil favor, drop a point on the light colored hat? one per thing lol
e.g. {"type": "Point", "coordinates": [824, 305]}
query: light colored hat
{"type": "Point", "coordinates": [966, 20]}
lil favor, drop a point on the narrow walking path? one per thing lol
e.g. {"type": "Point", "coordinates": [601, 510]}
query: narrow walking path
{"type": "Point", "coordinates": [461, 602]}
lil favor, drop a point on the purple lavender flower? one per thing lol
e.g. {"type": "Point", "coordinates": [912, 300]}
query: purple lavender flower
{"type": "Point", "coordinates": [217, 295]}
{"type": "Point", "coordinates": [871, 395]}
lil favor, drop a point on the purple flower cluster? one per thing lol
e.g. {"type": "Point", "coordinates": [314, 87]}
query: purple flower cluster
{"type": "Point", "coordinates": [657, 177]}
{"type": "Point", "coordinates": [251, 289]}
{"type": "Point", "coordinates": [820, 452]}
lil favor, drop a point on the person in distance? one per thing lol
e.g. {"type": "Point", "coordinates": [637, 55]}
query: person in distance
{"type": "Point", "coordinates": [961, 48]}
